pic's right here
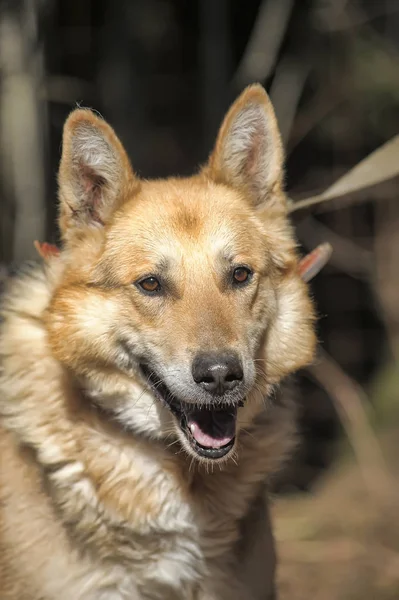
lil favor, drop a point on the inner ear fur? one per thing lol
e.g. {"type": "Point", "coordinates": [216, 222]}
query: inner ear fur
{"type": "Point", "coordinates": [95, 175]}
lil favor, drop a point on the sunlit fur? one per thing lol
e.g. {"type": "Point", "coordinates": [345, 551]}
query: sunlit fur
{"type": "Point", "coordinates": [101, 496]}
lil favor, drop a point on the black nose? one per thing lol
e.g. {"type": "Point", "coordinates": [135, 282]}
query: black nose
{"type": "Point", "coordinates": [217, 373]}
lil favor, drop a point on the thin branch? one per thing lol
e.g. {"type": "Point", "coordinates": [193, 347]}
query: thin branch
{"type": "Point", "coordinates": [322, 105]}
{"type": "Point", "coordinates": [352, 17]}
{"type": "Point", "coordinates": [286, 92]}
{"type": "Point", "coordinates": [261, 52]}
{"type": "Point", "coordinates": [350, 400]}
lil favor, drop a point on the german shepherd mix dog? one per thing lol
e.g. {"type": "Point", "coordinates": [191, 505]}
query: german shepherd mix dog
{"type": "Point", "coordinates": [139, 370]}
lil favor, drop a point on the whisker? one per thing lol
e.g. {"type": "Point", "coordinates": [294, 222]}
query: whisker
{"type": "Point", "coordinates": [172, 443]}
{"type": "Point", "coordinates": [247, 431]}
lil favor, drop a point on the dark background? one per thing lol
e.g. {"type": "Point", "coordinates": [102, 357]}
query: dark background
{"type": "Point", "coordinates": [163, 72]}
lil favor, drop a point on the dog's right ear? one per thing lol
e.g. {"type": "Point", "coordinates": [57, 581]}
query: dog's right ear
{"type": "Point", "coordinates": [248, 153]}
{"type": "Point", "coordinates": [95, 175]}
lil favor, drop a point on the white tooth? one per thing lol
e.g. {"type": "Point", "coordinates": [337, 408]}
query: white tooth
{"type": "Point", "coordinates": [192, 427]}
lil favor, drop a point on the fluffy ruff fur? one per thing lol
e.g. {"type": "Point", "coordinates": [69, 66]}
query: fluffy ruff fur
{"type": "Point", "coordinates": [101, 494]}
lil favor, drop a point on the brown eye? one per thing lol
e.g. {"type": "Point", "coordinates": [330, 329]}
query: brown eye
{"type": "Point", "coordinates": [150, 285]}
{"type": "Point", "coordinates": [241, 275]}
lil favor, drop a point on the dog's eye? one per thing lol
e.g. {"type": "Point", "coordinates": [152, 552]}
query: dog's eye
{"type": "Point", "coordinates": [241, 275]}
{"type": "Point", "coordinates": [150, 285]}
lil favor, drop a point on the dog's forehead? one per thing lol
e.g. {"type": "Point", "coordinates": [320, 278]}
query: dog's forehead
{"type": "Point", "coordinates": [180, 221]}
{"type": "Point", "coordinates": [186, 209]}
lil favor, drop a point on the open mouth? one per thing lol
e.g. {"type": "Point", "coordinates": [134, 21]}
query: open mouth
{"type": "Point", "coordinates": [210, 430]}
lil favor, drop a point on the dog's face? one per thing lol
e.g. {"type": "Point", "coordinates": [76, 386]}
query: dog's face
{"type": "Point", "coordinates": [179, 304]}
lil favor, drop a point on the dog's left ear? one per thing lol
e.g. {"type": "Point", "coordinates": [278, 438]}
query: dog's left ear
{"type": "Point", "coordinates": [248, 153]}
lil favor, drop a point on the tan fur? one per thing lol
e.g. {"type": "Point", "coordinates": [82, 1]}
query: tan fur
{"type": "Point", "coordinates": [100, 496]}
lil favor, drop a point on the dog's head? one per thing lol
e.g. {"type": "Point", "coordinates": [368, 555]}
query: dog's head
{"type": "Point", "coordinates": [179, 303]}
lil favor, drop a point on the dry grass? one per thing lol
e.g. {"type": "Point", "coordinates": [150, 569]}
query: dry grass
{"type": "Point", "coordinates": [340, 542]}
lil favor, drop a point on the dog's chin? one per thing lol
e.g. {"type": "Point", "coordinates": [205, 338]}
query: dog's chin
{"type": "Point", "coordinates": [205, 431]}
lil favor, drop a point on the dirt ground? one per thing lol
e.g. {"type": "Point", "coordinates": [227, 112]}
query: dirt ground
{"type": "Point", "coordinates": [341, 542]}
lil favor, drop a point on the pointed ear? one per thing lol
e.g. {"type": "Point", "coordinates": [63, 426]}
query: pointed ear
{"type": "Point", "coordinates": [248, 152]}
{"type": "Point", "coordinates": [95, 175]}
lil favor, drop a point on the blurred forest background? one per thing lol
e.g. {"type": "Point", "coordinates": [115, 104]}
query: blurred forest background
{"type": "Point", "coordinates": [163, 72]}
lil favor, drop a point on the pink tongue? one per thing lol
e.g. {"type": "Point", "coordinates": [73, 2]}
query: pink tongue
{"type": "Point", "coordinates": [206, 440]}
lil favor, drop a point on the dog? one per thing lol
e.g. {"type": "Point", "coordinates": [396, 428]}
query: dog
{"type": "Point", "coordinates": [141, 418]}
